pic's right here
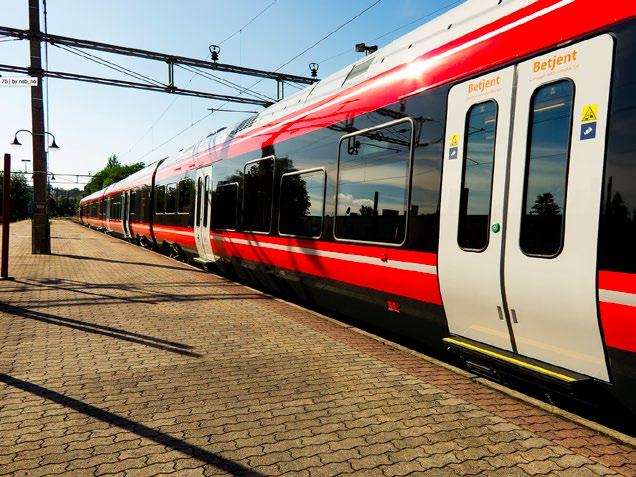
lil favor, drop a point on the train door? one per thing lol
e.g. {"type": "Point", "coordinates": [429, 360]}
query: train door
{"type": "Point", "coordinates": [547, 234]}
{"type": "Point", "coordinates": [202, 213]}
{"type": "Point", "coordinates": [125, 214]}
{"type": "Point", "coordinates": [474, 177]}
{"type": "Point", "coordinates": [106, 212]}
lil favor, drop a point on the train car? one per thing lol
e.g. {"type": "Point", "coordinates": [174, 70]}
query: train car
{"type": "Point", "coordinates": [471, 186]}
{"type": "Point", "coordinates": [90, 210]}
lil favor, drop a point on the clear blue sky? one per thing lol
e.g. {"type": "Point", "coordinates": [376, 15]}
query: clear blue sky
{"type": "Point", "coordinates": [91, 122]}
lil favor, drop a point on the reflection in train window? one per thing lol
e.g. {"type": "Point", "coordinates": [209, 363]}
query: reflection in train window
{"type": "Point", "coordinates": [160, 193]}
{"type": "Point", "coordinates": [543, 213]}
{"type": "Point", "coordinates": [479, 157]}
{"type": "Point", "coordinates": [171, 198]}
{"type": "Point", "coordinates": [302, 199]}
{"type": "Point", "coordinates": [185, 196]}
{"type": "Point", "coordinates": [258, 189]}
{"type": "Point", "coordinates": [225, 203]}
{"type": "Point", "coordinates": [373, 183]}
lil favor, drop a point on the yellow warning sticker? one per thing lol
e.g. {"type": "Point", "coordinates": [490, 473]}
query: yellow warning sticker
{"type": "Point", "coordinates": [589, 113]}
{"type": "Point", "coordinates": [454, 140]}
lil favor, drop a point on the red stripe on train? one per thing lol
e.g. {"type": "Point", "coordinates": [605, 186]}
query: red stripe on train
{"type": "Point", "coordinates": [619, 325]}
{"type": "Point", "coordinates": [385, 253]}
{"type": "Point", "coordinates": [139, 228]}
{"type": "Point", "coordinates": [183, 236]}
{"type": "Point", "coordinates": [411, 284]}
{"type": "Point", "coordinates": [618, 320]}
{"type": "Point", "coordinates": [617, 281]}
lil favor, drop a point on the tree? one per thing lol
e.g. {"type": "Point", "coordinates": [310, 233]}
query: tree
{"type": "Point", "coordinates": [21, 194]}
{"type": "Point", "coordinates": [64, 202]}
{"type": "Point", "coordinates": [113, 172]}
{"type": "Point", "coordinates": [366, 210]}
{"type": "Point", "coordinates": [544, 205]}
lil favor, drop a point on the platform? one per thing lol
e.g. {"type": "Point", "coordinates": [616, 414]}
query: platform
{"type": "Point", "coordinates": [115, 360]}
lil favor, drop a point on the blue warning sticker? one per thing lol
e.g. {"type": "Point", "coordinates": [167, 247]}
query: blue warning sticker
{"type": "Point", "coordinates": [588, 131]}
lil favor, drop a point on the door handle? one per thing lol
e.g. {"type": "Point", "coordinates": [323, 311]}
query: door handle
{"type": "Point", "coordinates": [500, 312]}
{"type": "Point", "coordinates": [514, 315]}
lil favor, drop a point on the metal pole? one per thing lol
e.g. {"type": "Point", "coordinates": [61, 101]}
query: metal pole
{"type": "Point", "coordinates": [41, 237]}
{"type": "Point", "coordinates": [6, 217]}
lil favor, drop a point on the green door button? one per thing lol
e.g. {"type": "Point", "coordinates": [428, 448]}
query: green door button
{"type": "Point", "coordinates": [495, 228]}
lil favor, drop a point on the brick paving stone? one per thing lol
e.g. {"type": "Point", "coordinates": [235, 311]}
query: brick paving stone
{"type": "Point", "coordinates": [116, 360]}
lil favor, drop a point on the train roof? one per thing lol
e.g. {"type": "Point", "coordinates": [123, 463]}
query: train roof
{"type": "Point", "coordinates": [444, 31]}
{"type": "Point", "coordinates": [439, 31]}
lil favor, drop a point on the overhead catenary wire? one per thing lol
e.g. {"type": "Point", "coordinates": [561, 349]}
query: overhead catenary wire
{"type": "Point", "coordinates": [108, 64]}
{"type": "Point", "coordinates": [177, 135]}
{"type": "Point", "coordinates": [331, 33]}
{"type": "Point", "coordinates": [165, 111]}
{"type": "Point", "coordinates": [225, 82]}
{"type": "Point", "coordinates": [384, 35]}
{"type": "Point", "coordinates": [248, 23]}
{"type": "Point", "coordinates": [316, 43]}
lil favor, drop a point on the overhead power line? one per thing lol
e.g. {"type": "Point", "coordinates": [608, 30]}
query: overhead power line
{"type": "Point", "coordinates": [417, 20]}
{"type": "Point", "coordinates": [135, 85]}
{"type": "Point", "coordinates": [359, 14]}
{"type": "Point", "coordinates": [340, 27]}
{"type": "Point", "coordinates": [227, 83]}
{"type": "Point", "coordinates": [165, 111]}
{"type": "Point", "coordinates": [177, 135]}
{"type": "Point", "coordinates": [108, 64]}
{"type": "Point", "coordinates": [248, 23]}
{"type": "Point", "coordinates": [153, 55]}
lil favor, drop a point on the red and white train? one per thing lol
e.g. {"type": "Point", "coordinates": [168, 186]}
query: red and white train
{"type": "Point", "coordinates": [471, 186]}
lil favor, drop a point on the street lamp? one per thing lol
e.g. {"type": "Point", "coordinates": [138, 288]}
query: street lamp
{"type": "Point", "coordinates": [18, 143]}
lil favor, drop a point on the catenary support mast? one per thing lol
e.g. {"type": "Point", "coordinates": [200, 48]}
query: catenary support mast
{"type": "Point", "coordinates": [41, 237]}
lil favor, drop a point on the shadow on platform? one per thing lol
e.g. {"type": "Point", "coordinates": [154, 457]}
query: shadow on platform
{"type": "Point", "coordinates": [129, 425]}
{"type": "Point", "coordinates": [111, 260]}
{"type": "Point", "coordinates": [149, 293]}
{"type": "Point", "coordinates": [111, 332]}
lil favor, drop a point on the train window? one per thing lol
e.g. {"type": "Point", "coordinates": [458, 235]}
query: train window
{"type": "Point", "coordinates": [226, 206]}
{"type": "Point", "coordinates": [617, 239]}
{"type": "Point", "coordinates": [206, 201]}
{"type": "Point", "coordinates": [171, 198]}
{"type": "Point", "coordinates": [258, 180]}
{"type": "Point", "coordinates": [479, 158]}
{"type": "Point", "coordinates": [160, 193]}
{"type": "Point", "coordinates": [132, 202]}
{"type": "Point", "coordinates": [302, 200]}
{"type": "Point", "coordinates": [185, 196]}
{"type": "Point", "coordinates": [199, 190]}
{"type": "Point", "coordinates": [373, 184]}
{"type": "Point", "coordinates": [543, 213]}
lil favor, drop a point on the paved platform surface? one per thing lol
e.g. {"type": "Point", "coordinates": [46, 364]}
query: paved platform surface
{"type": "Point", "coordinates": [116, 360]}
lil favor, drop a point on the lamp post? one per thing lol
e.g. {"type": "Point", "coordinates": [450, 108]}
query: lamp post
{"type": "Point", "coordinates": [41, 236]}
{"type": "Point", "coordinates": [18, 143]}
